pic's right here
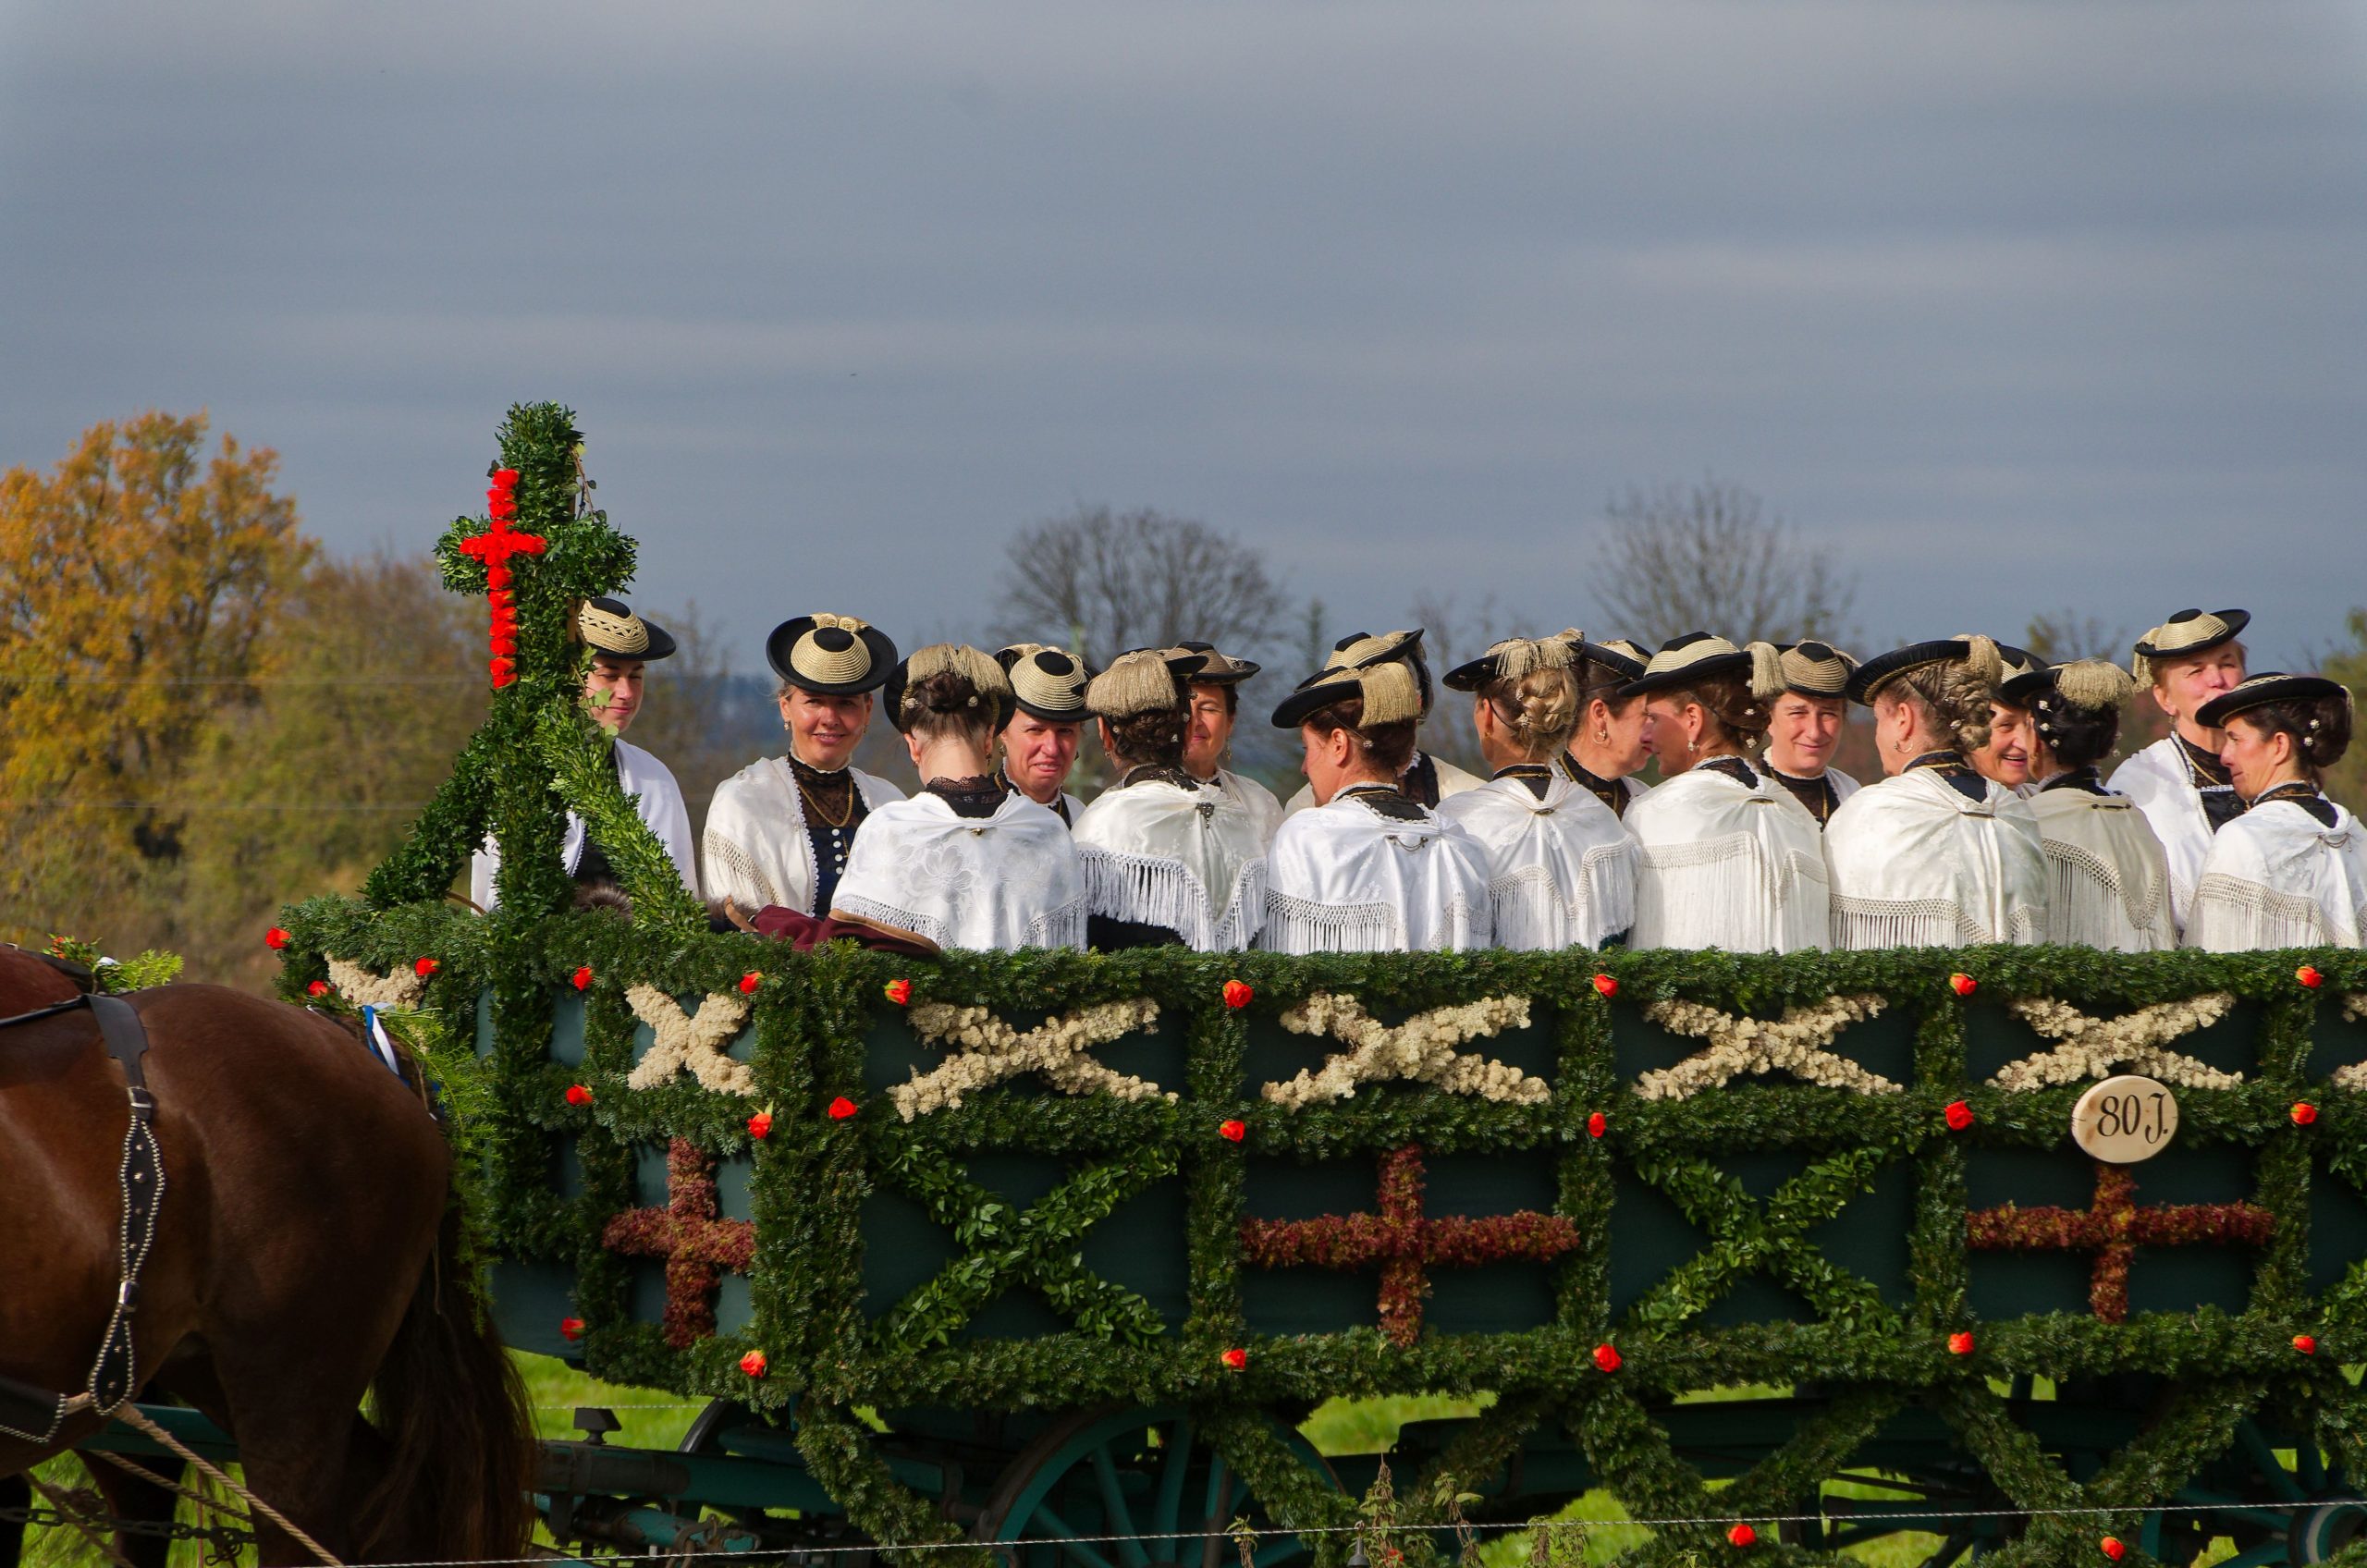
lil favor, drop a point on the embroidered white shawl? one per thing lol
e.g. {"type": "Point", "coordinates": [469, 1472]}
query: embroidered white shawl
{"type": "Point", "coordinates": [2276, 879]}
{"type": "Point", "coordinates": [2158, 781]}
{"type": "Point", "coordinates": [1190, 860]}
{"type": "Point", "coordinates": [1344, 878]}
{"type": "Point", "coordinates": [1263, 808]}
{"type": "Point", "coordinates": [1727, 864]}
{"type": "Point", "coordinates": [1915, 865]}
{"type": "Point", "coordinates": [1561, 869]}
{"type": "Point", "coordinates": [1453, 780]}
{"type": "Point", "coordinates": [657, 802]}
{"type": "Point", "coordinates": [2108, 882]}
{"type": "Point", "coordinates": [991, 883]}
{"type": "Point", "coordinates": [755, 849]}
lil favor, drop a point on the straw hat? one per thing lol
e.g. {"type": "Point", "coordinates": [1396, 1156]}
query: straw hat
{"type": "Point", "coordinates": [609, 626]}
{"type": "Point", "coordinates": [832, 656]}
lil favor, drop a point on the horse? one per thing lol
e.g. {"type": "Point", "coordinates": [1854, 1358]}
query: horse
{"type": "Point", "coordinates": [307, 1254]}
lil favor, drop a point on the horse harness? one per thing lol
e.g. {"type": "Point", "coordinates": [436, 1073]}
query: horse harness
{"type": "Point", "coordinates": [36, 1414]}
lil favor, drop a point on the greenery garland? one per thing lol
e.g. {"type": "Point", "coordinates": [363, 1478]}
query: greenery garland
{"type": "Point", "coordinates": [819, 1020]}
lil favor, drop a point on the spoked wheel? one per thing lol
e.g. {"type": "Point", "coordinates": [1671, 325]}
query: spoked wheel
{"type": "Point", "coordinates": [1080, 1494]}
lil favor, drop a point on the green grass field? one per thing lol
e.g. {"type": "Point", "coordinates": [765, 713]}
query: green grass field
{"type": "Point", "coordinates": [654, 1419]}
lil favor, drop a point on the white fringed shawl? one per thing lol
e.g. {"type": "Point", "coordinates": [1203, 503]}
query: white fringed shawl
{"type": "Point", "coordinates": [993, 883]}
{"type": "Point", "coordinates": [1344, 878]}
{"type": "Point", "coordinates": [2277, 877]}
{"type": "Point", "coordinates": [2108, 881]}
{"type": "Point", "coordinates": [2159, 783]}
{"type": "Point", "coordinates": [1258, 800]}
{"type": "Point", "coordinates": [755, 849]}
{"type": "Point", "coordinates": [659, 803]}
{"type": "Point", "coordinates": [1915, 865]}
{"type": "Point", "coordinates": [1727, 864]}
{"type": "Point", "coordinates": [1561, 870]}
{"type": "Point", "coordinates": [1193, 860]}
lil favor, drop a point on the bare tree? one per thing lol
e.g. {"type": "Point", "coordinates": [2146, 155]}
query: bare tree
{"type": "Point", "coordinates": [1701, 557]}
{"type": "Point", "coordinates": [1104, 581]}
{"type": "Point", "coordinates": [2060, 636]}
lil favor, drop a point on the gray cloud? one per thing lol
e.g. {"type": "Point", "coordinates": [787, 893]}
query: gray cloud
{"type": "Point", "coordinates": [2016, 304]}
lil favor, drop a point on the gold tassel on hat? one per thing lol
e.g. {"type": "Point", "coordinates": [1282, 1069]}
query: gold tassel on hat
{"type": "Point", "coordinates": [1391, 695]}
{"type": "Point", "coordinates": [2092, 683]}
{"type": "Point", "coordinates": [1766, 670]}
{"type": "Point", "coordinates": [1135, 683]}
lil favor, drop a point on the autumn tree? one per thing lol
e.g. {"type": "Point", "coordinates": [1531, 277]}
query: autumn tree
{"type": "Point", "coordinates": [136, 580]}
{"type": "Point", "coordinates": [1706, 557]}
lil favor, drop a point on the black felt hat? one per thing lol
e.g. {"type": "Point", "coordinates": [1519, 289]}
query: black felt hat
{"type": "Point", "coordinates": [1697, 656]}
{"type": "Point", "coordinates": [832, 656]}
{"type": "Point", "coordinates": [609, 626]}
{"type": "Point", "coordinates": [1511, 659]}
{"type": "Point", "coordinates": [2270, 686]}
{"type": "Point", "coordinates": [1219, 670]}
{"type": "Point", "coordinates": [1046, 682]}
{"type": "Point", "coordinates": [1361, 649]}
{"type": "Point", "coordinates": [1882, 669]}
{"type": "Point", "coordinates": [1393, 689]}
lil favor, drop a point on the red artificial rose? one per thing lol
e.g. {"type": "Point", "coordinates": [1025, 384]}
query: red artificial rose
{"type": "Point", "coordinates": [750, 981]}
{"type": "Point", "coordinates": [1606, 985]}
{"type": "Point", "coordinates": [578, 1095]}
{"type": "Point", "coordinates": [275, 939]}
{"type": "Point", "coordinates": [1962, 984]}
{"type": "Point", "coordinates": [507, 646]}
{"type": "Point", "coordinates": [571, 1328]}
{"type": "Point", "coordinates": [1741, 1534]}
{"type": "Point", "coordinates": [761, 1125]}
{"type": "Point", "coordinates": [2303, 1113]}
{"type": "Point", "coordinates": [841, 1108]}
{"type": "Point", "coordinates": [2113, 1549]}
{"type": "Point", "coordinates": [1598, 1124]}
{"type": "Point", "coordinates": [1960, 1343]}
{"type": "Point", "coordinates": [1235, 1358]}
{"type": "Point", "coordinates": [898, 991]}
{"type": "Point", "coordinates": [317, 988]}
{"type": "Point", "coordinates": [2308, 976]}
{"type": "Point", "coordinates": [424, 967]}
{"type": "Point", "coordinates": [1959, 1116]}
{"type": "Point", "coordinates": [497, 577]}
{"type": "Point", "coordinates": [504, 599]}
{"type": "Point", "coordinates": [1234, 1130]}
{"type": "Point", "coordinates": [1237, 993]}
{"type": "Point", "coordinates": [582, 978]}
{"type": "Point", "coordinates": [1606, 1358]}
{"type": "Point", "coordinates": [754, 1363]}
{"type": "Point", "coordinates": [2306, 1344]}
{"type": "Point", "coordinates": [505, 477]}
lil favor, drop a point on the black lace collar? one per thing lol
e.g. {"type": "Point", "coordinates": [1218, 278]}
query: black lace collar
{"type": "Point", "coordinates": [977, 797]}
{"type": "Point", "coordinates": [2204, 766]}
{"type": "Point", "coordinates": [2085, 779]}
{"type": "Point", "coordinates": [1536, 775]}
{"type": "Point", "coordinates": [1736, 768]}
{"type": "Point", "coordinates": [1612, 793]}
{"type": "Point", "coordinates": [1384, 801]}
{"type": "Point", "coordinates": [2301, 793]}
{"type": "Point", "coordinates": [1960, 775]}
{"type": "Point", "coordinates": [1154, 773]}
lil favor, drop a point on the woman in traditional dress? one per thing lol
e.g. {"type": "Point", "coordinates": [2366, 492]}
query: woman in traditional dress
{"type": "Point", "coordinates": [2291, 871]}
{"type": "Point", "coordinates": [1216, 707]}
{"type": "Point", "coordinates": [621, 645]}
{"type": "Point", "coordinates": [2179, 781]}
{"type": "Point", "coordinates": [1168, 859]}
{"type": "Point", "coordinates": [1368, 868]}
{"type": "Point", "coordinates": [1727, 858]}
{"type": "Point", "coordinates": [965, 863]}
{"type": "Point", "coordinates": [1934, 856]}
{"type": "Point", "coordinates": [1561, 869]}
{"type": "Point", "coordinates": [2007, 756]}
{"type": "Point", "coordinates": [1039, 740]}
{"type": "Point", "coordinates": [1803, 727]}
{"type": "Point", "coordinates": [1613, 738]}
{"type": "Point", "coordinates": [1427, 779]}
{"type": "Point", "coordinates": [779, 832]}
{"type": "Point", "coordinates": [2109, 884]}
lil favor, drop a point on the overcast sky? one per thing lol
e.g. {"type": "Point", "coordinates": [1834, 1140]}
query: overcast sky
{"type": "Point", "coordinates": [2017, 305]}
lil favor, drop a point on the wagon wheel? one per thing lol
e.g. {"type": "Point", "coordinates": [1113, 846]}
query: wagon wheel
{"type": "Point", "coordinates": [2262, 1501]}
{"type": "Point", "coordinates": [1128, 1470]}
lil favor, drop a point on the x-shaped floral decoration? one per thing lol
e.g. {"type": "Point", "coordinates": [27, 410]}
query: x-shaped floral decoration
{"type": "Point", "coordinates": [1796, 1043]}
{"type": "Point", "coordinates": [690, 1042]}
{"type": "Point", "coordinates": [2092, 1047]}
{"type": "Point", "coordinates": [994, 1051]}
{"type": "Point", "coordinates": [1422, 1049]}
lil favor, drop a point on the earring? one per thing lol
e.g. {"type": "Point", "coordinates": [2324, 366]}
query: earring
{"type": "Point", "coordinates": [1602, 737]}
{"type": "Point", "coordinates": [1693, 748]}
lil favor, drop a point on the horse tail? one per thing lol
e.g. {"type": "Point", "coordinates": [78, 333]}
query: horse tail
{"type": "Point", "coordinates": [451, 1411]}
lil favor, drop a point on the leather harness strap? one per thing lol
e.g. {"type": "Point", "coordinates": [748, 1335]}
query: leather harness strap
{"type": "Point", "coordinates": [34, 1413]}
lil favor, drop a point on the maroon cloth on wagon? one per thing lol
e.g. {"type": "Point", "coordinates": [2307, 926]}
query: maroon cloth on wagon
{"type": "Point", "coordinates": [805, 932]}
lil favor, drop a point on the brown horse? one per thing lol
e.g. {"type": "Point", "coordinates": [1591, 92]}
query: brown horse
{"type": "Point", "coordinates": [305, 1256]}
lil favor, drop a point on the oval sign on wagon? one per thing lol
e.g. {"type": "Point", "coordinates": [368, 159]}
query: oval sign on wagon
{"type": "Point", "coordinates": [2124, 1119]}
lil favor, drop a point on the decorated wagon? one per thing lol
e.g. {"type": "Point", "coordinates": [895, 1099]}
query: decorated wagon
{"type": "Point", "coordinates": [1053, 1253]}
